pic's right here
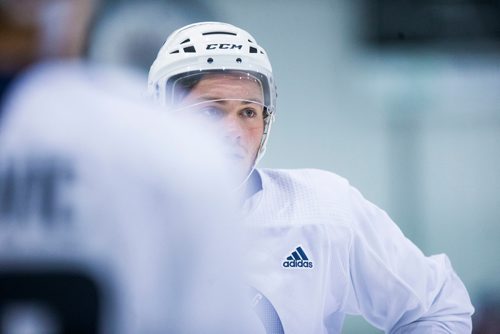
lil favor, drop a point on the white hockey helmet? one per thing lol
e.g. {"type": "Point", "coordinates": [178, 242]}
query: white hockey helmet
{"type": "Point", "coordinates": [204, 47]}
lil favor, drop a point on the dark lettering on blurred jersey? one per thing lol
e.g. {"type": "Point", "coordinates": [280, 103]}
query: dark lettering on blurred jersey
{"type": "Point", "coordinates": [35, 190]}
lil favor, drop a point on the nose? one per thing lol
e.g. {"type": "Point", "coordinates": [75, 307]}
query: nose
{"type": "Point", "coordinates": [232, 128]}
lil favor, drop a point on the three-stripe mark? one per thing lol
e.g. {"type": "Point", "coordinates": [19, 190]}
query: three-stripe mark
{"type": "Point", "coordinates": [298, 254]}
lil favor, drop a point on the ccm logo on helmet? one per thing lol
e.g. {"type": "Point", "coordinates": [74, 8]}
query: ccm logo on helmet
{"type": "Point", "coordinates": [224, 46]}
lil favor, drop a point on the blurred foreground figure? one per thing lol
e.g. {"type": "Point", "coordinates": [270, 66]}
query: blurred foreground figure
{"type": "Point", "coordinates": [106, 224]}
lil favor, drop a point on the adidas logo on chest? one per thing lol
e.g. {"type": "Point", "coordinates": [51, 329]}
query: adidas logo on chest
{"type": "Point", "coordinates": [298, 259]}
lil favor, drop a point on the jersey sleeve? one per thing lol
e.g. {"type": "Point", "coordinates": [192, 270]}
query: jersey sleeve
{"type": "Point", "coordinates": [394, 286]}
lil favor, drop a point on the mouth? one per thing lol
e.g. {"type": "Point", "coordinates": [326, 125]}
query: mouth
{"type": "Point", "coordinates": [234, 152]}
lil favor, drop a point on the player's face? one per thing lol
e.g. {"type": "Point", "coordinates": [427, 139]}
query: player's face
{"type": "Point", "coordinates": [236, 104]}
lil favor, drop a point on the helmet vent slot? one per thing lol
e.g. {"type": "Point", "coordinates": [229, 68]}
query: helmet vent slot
{"type": "Point", "coordinates": [185, 41]}
{"type": "Point", "coordinates": [175, 51]}
{"type": "Point", "coordinates": [189, 49]}
{"type": "Point", "coordinates": [253, 50]}
{"type": "Point", "coordinates": [219, 33]}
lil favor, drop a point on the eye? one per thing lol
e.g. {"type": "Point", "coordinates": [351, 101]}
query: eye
{"type": "Point", "coordinates": [211, 113]}
{"type": "Point", "coordinates": [248, 113]}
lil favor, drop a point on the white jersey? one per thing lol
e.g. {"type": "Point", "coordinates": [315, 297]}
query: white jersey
{"type": "Point", "coordinates": [319, 250]}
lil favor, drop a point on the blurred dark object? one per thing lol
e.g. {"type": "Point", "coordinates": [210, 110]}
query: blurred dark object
{"type": "Point", "coordinates": [57, 301]}
{"type": "Point", "coordinates": [17, 45]}
{"type": "Point", "coordinates": [448, 23]}
{"type": "Point", "coordinates": [35, 30]}
{"type": "Point", "coordinates": [486, 320]}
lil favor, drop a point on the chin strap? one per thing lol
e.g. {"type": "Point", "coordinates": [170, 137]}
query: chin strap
{"type": "Point", "coordinates": [262, 149]}
{"type": "Point", "coordinates": [243, 183]}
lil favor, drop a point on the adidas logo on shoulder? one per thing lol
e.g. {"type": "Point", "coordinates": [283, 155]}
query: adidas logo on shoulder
{"type": "Point", "coordinates": [298, 259]}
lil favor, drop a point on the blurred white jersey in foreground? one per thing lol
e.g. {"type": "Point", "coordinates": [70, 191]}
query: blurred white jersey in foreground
{"type": "Point", "coordinates": [113, 215]}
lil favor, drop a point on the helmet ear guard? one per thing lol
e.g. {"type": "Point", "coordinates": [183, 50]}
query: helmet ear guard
{"type": "Point", "coordinates": [212, 47]}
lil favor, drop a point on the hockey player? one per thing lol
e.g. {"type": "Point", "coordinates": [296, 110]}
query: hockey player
{"type": "Point", "coordinates": [319, 250]}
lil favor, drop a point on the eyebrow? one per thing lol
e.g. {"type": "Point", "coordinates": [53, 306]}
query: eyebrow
{"type": "Point", "coordinates": [225, 100]}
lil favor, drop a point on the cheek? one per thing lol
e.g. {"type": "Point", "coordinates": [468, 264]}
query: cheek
{"type": "Point", "coordinates": [253, 138]}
